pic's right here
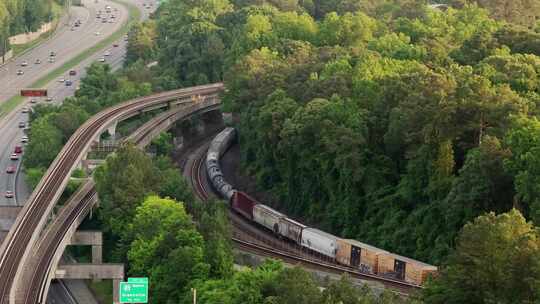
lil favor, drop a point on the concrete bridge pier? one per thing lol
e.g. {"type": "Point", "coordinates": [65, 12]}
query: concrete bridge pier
{"type": "Point", "coordinates": [112, 130]}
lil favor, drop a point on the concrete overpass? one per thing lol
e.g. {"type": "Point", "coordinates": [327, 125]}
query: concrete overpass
{"type": "Point", "coordinates": [31, 229]}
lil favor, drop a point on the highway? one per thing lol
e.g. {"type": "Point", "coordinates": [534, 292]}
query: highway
{"type": "Point", "coordinates": [78, 40]}
{"type": "Point", "coordinates": [66, 43]}
{"type": "Point", "coordinates": [22, 237]}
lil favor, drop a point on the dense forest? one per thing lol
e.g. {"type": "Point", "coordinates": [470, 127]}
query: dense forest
{"type": "Point", "coordinates": [386, 121]}
{"type": "Point", "coordinates": [409, 127]}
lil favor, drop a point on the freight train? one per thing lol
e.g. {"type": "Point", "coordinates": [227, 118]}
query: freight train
{"type": "Point", "coordinates": [352, 253]}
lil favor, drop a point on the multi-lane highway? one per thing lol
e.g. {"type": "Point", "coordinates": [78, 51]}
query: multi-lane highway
{"type": "Point", "coordinates": [67, 43]}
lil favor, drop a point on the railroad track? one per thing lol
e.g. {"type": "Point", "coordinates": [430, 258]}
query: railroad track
{"type": "Point", "coordinates": [33, 217]}
{"type": "Point", "coordinates": [254, 239]}
{"type": "Point", "coordinates": [198, 174]}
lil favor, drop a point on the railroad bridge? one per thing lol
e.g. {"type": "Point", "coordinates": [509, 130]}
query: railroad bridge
{"type": "Point", "coordinates": [32, 250]}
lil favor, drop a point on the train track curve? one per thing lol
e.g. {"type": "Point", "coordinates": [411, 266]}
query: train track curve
{"type": "Point", "coordinates": [251, 239]}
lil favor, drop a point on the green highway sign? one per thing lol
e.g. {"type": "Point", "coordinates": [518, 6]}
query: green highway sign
{"type": "Point", "coordinates": [138, 280]}
{"type": "Point", "coordinates": [135, 290]}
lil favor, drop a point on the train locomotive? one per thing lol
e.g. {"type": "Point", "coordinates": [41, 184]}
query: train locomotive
{"type": "Point", "coordinates": [351, 253]}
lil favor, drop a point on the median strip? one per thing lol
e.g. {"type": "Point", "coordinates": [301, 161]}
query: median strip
{"type": "Point", "coordinates": [134, 16]}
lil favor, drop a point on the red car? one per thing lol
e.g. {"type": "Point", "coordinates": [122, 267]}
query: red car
{"type": "Point", "coordinates": [18, 149]}
{"type": "Point", "coordinates": [10, 169]}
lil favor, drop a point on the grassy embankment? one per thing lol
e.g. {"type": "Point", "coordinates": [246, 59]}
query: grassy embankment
{"type": "Point", "coordinates": [134, 16]}
{"type": "Point", "coordinates": [58, 10]}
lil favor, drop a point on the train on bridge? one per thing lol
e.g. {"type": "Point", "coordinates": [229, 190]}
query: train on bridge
{"type": "Point", "coordinates": [347, 252]}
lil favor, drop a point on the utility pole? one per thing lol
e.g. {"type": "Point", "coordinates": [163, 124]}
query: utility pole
{"type": "Point", "coordinates": [4, 50]}
{"type": "Point", "coordinates": [194, 291]}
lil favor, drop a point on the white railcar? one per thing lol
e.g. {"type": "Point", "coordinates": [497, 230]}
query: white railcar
{"type": "Point", "coordinates": [320, 241]}
{"type": "Point", "coordinates": [267, 217]}
{"type": "Point", "coordinates": [291, 229]}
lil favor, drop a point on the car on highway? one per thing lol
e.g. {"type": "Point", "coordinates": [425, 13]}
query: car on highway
{"type": "Point", "coordinates": [97, 33]}
{"type": "Point", "coordinates": [24, 63]}
{"type": "Point", "coordinates": [25, 110]}
{"type": "Point", "coordinates": [48, 99]}
{"type": "Point", "coordinates": [18, 149]}
{"type": "Point", "coordinates": [24, 139]}
{"type": "Point", "coordinates": [69, 83]}
{"type": "Point", "coordinates": [107, 53]}
{"type": "Point", "coordinates": [51, 59]}
{"type": "Point", "coordinates": [98, 16]}
{"type": "Point", "coordinates": [61, 80]}
{"type": "Point", "coordinates": [52, 54]}
{"type": "Point", "coordinates": [22, 124]}
{"type": "Point", "coordinates": [10, 169]}
{"type": "Point", "coordinates": [8, 194]}
{"type": "Point", "coordinates": [116, 45]}
{"type": "Point", "coordinates": [33, 100]}
{"type": "Point", "coordinates": [38, 61]}
{"type": "Point", "coordinates": [20, 72]}
{"type": "Point", "coordinates": [103, 20]}
{"type": "Point", "coordinates": [72, 73]}
{"type": "Point", "coordinates": [101, 59]}
{"type": "Point", "coordinates": [14, 156]}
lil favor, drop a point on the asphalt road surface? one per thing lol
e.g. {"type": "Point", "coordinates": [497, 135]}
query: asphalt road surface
{"type": "Point", "coordinates": [67, 43]}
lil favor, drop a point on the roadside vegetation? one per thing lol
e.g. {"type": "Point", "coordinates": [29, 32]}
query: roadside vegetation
{"type": "Point", "coordinates": [20, 16]}
{"type": "Point", "coordinates": [410, 128]}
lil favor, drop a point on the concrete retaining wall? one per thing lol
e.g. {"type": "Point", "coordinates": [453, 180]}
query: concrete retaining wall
{"type": "Point", "coordinates": [29, 37]}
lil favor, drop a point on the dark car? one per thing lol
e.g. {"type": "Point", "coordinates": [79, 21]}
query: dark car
{"type": "Point", "coordinates": [69, 83]}
{"type": "Point", "coordinates": [22, 124]}
{"type": "Point", "coordinates": [72, 73]}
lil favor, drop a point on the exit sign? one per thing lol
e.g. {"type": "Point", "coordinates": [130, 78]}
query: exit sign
{"type": "Point", "coordinates": [33, 93]}
{"type": "Point", "coordinates": [135, 290]}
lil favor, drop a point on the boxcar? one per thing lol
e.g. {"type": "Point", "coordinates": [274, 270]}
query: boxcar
{"type": "Point", "coordinates": [267, 217]}
{"type": "Point", "coordinates": [291, 229]}
{"type": "Point", "coordinates": [319, 241]}
{"type": "Point", "coordinates": [404, 268]}
{"type": "Point", "coordinates": [243, 204]}
{"type": "Point", "coordinates": [358, 255]}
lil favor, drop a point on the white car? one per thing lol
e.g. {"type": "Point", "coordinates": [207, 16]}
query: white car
{"type": "Point", "coordinates": [61, 80]}
{"type": "Point", "coordinates": [102, 59]}
{"type": "Point", "coordinates": [51, 59]}
{"type": "Point", "coordinates": [33, 100]}
{"type": "Point", "coordinates": [97, 33]}
{"type": "Point", "coordinates": [25, 110]}
{"type": "Point", "coordinates": [24, 139]}
{"type": "Point", "coordinates": [107, 53]}
{"type": "Point", "coordinates": [24, 63]}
